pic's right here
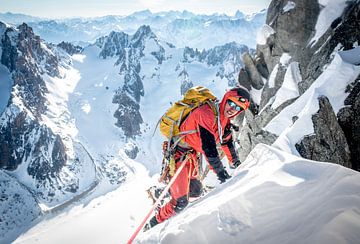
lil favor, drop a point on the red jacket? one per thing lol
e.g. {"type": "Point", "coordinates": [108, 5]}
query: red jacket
{"type": "Point", "coordinates": [204, 117]}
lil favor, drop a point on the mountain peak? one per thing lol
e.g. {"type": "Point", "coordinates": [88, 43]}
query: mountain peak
{"type": "Point", "coordinates": [144, 31]}
{"type": "Point", "coordinates": [25, 29]}
{"type": "Point", "coordinates": [142, 14]}
{"type": "Point", "coordinates": [2, 28]}
{"type": "Point", "coordinates": [239, 14]}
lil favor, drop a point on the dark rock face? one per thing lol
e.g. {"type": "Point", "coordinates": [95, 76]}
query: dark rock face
{"type": "Point", "coordinates": [261, 66]}
{"type": "Point", "coordinates": [140, 36]}
{"type": "Point", "coordinates": [329, 143]}
{"type": "Point", "coordinates": [12, 137]}
{"type": "Point", "coordinates": [244, 79]}
{"type": "Point", "coordinates": [21, 59]}
{"type": "Point", "coordinates": [70, 48]}
{"type": "Point", "coordinates": [218, 56]}
{"type": "Point", "coordinates": [159, 55]}
{"type": "Point", "coordinates": [25, 139]}
{"type": "Point", "coordinates": [128, 115]}
{"type": "Point", "coordinates": [292, 32]}
{"type": "Point", "coordinates": [131, 150]}
{"type": "Point", "coordinates": [18, 207]}
{"type": "Point", "coordinates": [130, 50]}
{"type": "Point", "coordinates": [42, 169]}
{"type": "Point", "coordinates": [349, 121]}
{"type": "Point", "coordinates": [22, 54]}
{"type": "Point", "coordinates": [269, 92]}
{"type": "Point", "coordinates": [252, 133]}
{"type": "Point", "coordinates": [133, 84]}
{"type": "Point", "coordinates": [293, 28]}
{"type": "Point", "coordinates": [252, 71]}
{"type": "Point", "coordinates": [186, 84]}
{"type": "Point", "coordinates": [345, 33]}
{"type": "Point", "coordinates": [114, 44]}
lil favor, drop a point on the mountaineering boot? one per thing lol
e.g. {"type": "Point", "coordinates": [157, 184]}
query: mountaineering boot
{"type": "Point", "coordinates": [153, 221]}
{"type": "Point", "coordinates": [154, 193]}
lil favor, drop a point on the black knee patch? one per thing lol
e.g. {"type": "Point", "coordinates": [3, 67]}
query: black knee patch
{"type": "Point", "coordinates": [195, 188]}
{"type": "Point", "coordinates": [181, 203]}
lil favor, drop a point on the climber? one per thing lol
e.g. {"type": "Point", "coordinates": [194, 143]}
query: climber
{"type": "Point", "coordinates": [205, 140]}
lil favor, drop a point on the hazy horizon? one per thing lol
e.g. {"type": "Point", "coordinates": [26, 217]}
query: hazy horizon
{"type": "Point", "coordinates": [92, 8]}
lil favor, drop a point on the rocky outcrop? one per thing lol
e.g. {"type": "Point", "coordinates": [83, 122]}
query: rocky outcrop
{"type": "Point", "coordinates": [349, 121]}
{"type": "Point", "coordinates": [270, 90]}
{"type": "Point", "coordinates": [28, 145]}
{"type": "Point", "coordinates": [227, 57]}
{"type": "Point", "coordinates": [22, 54]}
{"type": "Point", "coordinates": [130, 50]}
{"type": "Point", "coordinates": [252, 133]}
{"type": "Point", "coordinates": [127, 115]}
{"type": "Point", "coordinates": [290, 39]}
{"type": "Point", "coordinates": [186, 83]}
{"type": "Point", "coordinates": [114, 44]}
{"type": "Point", "coordinates": [18, 207]}
{"type": "Point", "coordinates": [252, 71]}
{"type": "Point", "coordinates": [343, 33]}
{"type": "Point", "coordinates": [22, 51]}
{"type": "Point", "coordinates": [18, 137]}
{"type": "Point", "coordinates": [293, 30]}
{"type": "Point", "coordinates": [70, 48]}
{"type": "Point", "coordinates": [328, 143]}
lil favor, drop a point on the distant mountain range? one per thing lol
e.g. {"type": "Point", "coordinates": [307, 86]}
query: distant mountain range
{"type": "Point", "coordinates": [179, 28]}
{"type": "Point", "coordinates": [54, 96]}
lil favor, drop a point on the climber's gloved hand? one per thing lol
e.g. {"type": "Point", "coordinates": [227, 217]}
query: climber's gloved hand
{"type": "Point", "coordinates": [222, 175]}
{"type": "Point", "coordinates": [235, 164]}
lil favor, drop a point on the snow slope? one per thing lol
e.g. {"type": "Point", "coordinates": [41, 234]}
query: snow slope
{"type": "Point", "coordinates": [274, 197]}
{"type": "Point", "coordinates": [107, 219]}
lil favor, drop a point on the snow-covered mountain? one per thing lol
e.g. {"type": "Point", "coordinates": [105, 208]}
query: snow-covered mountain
{"type": "Point", "coordinates": [55, 96]}
{"type": "Point", "coordinates": [179, 28]}
{"type": "Point", "coordinates": [38, 149]}
{"type": "Point", "coordinates": [78, 122]}
{"type": "Point", "coordinates": [34, 149]}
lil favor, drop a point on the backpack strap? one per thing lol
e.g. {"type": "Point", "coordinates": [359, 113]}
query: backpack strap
{"type": "Point", "coordinates": [215, 108]}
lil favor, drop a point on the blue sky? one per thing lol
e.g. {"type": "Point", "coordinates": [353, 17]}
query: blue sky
{"type": "Point", "coordinates": [89, 8]}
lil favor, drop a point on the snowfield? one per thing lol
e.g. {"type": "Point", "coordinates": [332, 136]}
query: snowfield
{"type": "Point", "coordinates": [274, 197]}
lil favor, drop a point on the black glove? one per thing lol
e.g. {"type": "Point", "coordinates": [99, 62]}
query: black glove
{"type": "Point", "coordinates": [235, 164]}
{"type": "Point", "coordinates": [222, 175]}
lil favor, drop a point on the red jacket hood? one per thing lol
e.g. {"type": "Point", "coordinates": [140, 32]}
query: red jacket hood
{"type": "Point", "coordinates": [223, 119]}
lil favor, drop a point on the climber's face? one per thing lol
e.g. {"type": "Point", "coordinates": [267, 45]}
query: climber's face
{"type": "Point", "coordinates": [231, 109]}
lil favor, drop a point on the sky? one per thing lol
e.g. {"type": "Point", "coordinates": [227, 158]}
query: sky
{"type": "Point", "coordinates": [92, 8]}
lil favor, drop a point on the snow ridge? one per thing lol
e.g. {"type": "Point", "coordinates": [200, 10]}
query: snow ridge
{"type": "Point", "coordinates": [239, 210]}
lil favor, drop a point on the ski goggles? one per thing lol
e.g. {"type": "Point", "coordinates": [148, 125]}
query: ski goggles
{"type": "Point", "coordinates": [238, 103]}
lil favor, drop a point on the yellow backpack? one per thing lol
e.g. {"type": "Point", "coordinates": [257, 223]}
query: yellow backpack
{"type": "Point", "coordinates": [193, 98]}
